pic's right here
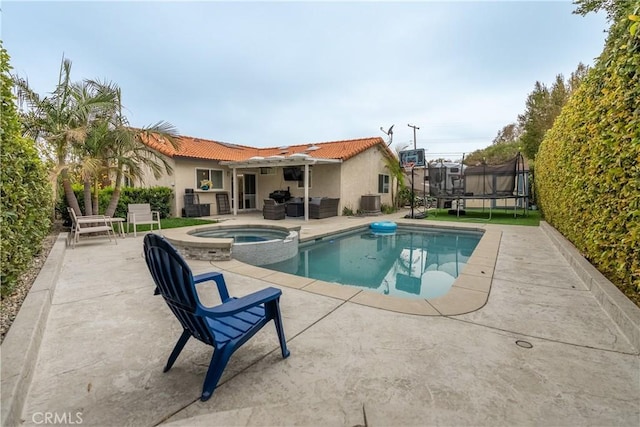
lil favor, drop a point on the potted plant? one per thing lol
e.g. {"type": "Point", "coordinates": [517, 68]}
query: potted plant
{"type": "Point", "coordinates": [205, 184]}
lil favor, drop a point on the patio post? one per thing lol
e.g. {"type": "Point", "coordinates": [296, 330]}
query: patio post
{"type": "Point", "coordinates": [306, 191]}
{"type": "Point", "coordinates": [235, 192]}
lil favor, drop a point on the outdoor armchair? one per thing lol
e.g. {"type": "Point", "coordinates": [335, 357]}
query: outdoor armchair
{"type": "Point", "coordinates": [225, 327]}
{"type": "Point", "coordinates": [140, 214]}
{"type": "Point", "coordinates": [88, 224]}
{"type": "Point", "coordinates": [273, 210]}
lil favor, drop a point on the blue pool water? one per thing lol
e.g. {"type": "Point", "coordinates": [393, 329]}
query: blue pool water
{"type": "Point", "coordinates": [243, 235]}
{"type": "Point", "coordinates": [412, 263]}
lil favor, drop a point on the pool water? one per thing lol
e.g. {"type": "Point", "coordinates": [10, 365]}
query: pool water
{"type": "Point", "coordinates": [246, 235]}
{"type": "Point", "coordinates": [412, 263]}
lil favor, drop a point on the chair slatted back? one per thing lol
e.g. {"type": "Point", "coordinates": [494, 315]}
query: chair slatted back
{"type": "Point", "coordinates": [174, 280]}
{"type": "Point", "coordinates": [142, 211]}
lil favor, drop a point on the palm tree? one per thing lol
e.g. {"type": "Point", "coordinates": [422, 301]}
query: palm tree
{"type": "Point", "coordinates": [81, 128]}
{"type": "Point", "coordinates": [61, 122]}
{"type": "Point", "coordinates": [125, 153]}
{"type": "Point", "coordinates": [91, 164]}
{"type": "Point", "coordinates": [396, 172]}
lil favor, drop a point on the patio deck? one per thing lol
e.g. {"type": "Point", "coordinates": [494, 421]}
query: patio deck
{"type": "Point", "coordinates": [105, 339]}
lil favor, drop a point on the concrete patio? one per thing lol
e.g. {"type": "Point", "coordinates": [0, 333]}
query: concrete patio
{"type": "Point", "coordinates": [98, 340]}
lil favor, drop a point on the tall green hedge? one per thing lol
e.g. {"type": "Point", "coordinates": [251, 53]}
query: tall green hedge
{"type": "Point", "coordinates": [158, 197]}
{"type": "Point", "coordinates": [25, 193]}
{"type": "Point", "coordinates": [588, 166]}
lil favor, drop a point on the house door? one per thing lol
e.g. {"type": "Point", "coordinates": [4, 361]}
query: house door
{"type": "Point", "coordinates": [247, 191]}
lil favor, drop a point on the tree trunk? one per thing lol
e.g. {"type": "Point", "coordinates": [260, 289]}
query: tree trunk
{"type": "Point", "coordinates": [96, 194]}
{"type": "Point", "coordinates": [393, 193]}
{"type": "Point", "coordinates": [69, 195]}
{"type": "Point", "coordinates": [87, 196]}
{"type": "Point", "coordinates": [53, 180]}
{"type": "Point", "coordinates": [115, 196]}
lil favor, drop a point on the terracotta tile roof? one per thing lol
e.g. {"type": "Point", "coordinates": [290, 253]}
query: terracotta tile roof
{"type": "Point", "coordinates": [198, 148]}
{"type": "Point", "coordinates": [214, 150]}
{"type": "Point", "coordinates": [340, 150]}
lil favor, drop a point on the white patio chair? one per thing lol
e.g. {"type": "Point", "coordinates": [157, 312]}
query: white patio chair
{"type": "Point", "coordinates": [85, 224]}
{"type": "Point", "coordinates": [140, 214]}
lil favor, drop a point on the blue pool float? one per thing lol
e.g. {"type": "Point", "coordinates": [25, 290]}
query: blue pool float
{"type": "Point", "coordinates": [383, 227]}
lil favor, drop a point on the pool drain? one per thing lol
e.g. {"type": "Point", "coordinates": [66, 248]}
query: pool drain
{"type": "Point", "coordinates": [524, 344]}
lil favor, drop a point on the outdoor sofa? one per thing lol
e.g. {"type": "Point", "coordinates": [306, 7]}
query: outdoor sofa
{"type": "Point", "coordinates": [323, 207]}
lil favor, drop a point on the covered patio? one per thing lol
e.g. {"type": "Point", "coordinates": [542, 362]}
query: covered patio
{"type": "Point", "coordinates": [301, 160]}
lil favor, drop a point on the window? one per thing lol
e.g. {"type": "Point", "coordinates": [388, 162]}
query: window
{"type": "Point", "coordinates": [301, 182]}
{"type": "Point", "coordinates": [213, 175]}
{"type": "Point", "coordinates": [267, 171]}
{"type": "Point", "coordinates": [383, 183]}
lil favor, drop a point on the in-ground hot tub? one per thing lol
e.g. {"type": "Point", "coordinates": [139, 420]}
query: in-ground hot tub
{"type": "Point", "coordinates": [254, 244]}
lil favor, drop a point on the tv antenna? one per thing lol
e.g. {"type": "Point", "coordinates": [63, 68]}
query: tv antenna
{"type": "Point", "coordinates": [389, 133]}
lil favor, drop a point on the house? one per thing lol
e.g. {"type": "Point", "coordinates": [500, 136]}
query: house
{"type": "Point", "coordinates": [346, 169]}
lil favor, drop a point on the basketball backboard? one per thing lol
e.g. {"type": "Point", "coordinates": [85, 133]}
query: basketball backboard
{"type": "Point", "coordinates": [412, 156]}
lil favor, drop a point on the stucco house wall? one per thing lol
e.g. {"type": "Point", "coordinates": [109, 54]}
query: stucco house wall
{"type": "Point", "coordinates": [147, 179]}
{"type": "Point", "coordinates": [358, 163]}
{"type": "Point", "coordinates": [185, 177]}
{"type": "Point", "coordinates": [359, 176]}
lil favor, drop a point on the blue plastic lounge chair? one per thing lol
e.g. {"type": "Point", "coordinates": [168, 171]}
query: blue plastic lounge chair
{"type": "Point", "coordinates": [226, 326]}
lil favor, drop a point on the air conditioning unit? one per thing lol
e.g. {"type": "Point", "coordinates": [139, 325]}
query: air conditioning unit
{"type": "Point", "coordinates": [370, 204]}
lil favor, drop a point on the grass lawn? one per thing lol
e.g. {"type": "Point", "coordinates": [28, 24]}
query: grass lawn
{"type": "Point", "coordinates": [498, 216]}
{"type": "Point", "coordinates": [167, 223]}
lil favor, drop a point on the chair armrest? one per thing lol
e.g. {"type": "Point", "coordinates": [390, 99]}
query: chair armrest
{"type": "Point", "coordinates": [157, 214]}
{"type": "Point", "coordinates": [92, 219]}
{"type": "Point", "coordinates": [216, 277]}
{"type": "Point", "coordinates": [237, 305]}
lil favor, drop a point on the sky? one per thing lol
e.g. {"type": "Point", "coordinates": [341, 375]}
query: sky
{"type": "Point", "coordinates": [269, 74]}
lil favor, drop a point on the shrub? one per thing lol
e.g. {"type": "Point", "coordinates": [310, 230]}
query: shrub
{"type": "Point", "coordinates": [405, 196]}
{"type": "Point", "coordinates": [158, 197]}
{"type": "Point", "coordinates": [387, 209]}
{"type": "Point", "coordinates": [588, 166]}
{"type": "Point", "coordinates": [25, 193]}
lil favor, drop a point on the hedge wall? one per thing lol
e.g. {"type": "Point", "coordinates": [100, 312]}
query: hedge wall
{"type": "Point", "coordinates": [25, 193]}
{"type": "Point", "coordinates": [588, 166]}
{"type": "Point", "coordinates": [158, 197]}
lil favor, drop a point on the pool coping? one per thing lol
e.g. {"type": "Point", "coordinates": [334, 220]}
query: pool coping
{"type": "Point", "coordinates": [469, 292]}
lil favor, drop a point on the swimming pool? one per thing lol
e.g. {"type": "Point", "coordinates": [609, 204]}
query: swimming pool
{"type": "Point", "coordinates": [412, 263]}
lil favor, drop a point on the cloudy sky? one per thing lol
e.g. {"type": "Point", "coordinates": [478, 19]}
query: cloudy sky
{"type": "Point", "coordinates": [283, 73]}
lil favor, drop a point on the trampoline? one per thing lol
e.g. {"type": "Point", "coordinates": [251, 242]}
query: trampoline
{"type": "Point", "coordinates": [505, 181]}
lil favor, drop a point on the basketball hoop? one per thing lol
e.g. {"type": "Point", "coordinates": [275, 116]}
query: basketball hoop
{"type": "Point", "coordinates": [408, 167]}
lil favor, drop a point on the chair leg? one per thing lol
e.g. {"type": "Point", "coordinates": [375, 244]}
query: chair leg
{"type": "Point", "coordinates": [219, 361]}
{"type": "Point", "coordinates": [177, 349]}
{"type": "Point", "coordinates": [273, 307]}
